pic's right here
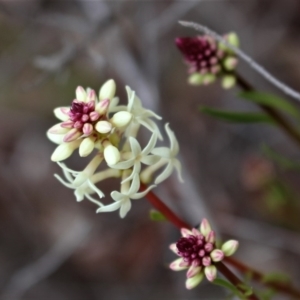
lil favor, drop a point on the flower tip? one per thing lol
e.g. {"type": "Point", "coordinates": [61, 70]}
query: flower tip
{"type": "Point", "coordinates": [80, 93]}
{"type": "Point", "coordinates": [121, 118]}
{"type": "Point", "coordinates": [205, 227]}
{"type": "Point", "coordinates": [210, 273]}
{"type": "Point", "coordinates": [230, 247]}
{"type": "Point", "coordinates": [107, 90]}
{"type": "Point", "coordinates": [194, 281]}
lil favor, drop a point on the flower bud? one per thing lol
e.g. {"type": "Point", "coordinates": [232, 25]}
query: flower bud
{"type": "Point", "coordinates": [65, 150]}
{"type": "Point", "coordinates": [176, 265]}
{"type": "Point", "coordinates": [94, 116]}
{"type": "Point", "coordinates": [205, 227]}
{"type": "Point", "coordinates": [230, 247]}
{"type": "Point", "coordinates": [194, 281]}
{"type": "Point", "coordinates": [103, 126]}
{"type": "Point", "coordinates": [72, 135]}
{"type": "Point", "coordinates": [211, 237]}
{"type": "Point", "coordinates": [121, 118]}
{"type": "Point", "coordinates": [230, 63]}
{"type": "Point", "coordinates": [91, 96]}
{"type": "Point", "coordinates": [107, 90]}
{"type": "Point", "coordinates": [195, 79]}
{"type": "Point", "coordinates": [210, 273]}
{"type": "Point", "coordinates": [217, 255]}
{"type": "Point", "coordinates": [55, 138]}
{"type": "Point", "coordinates": [228, 81]}
{"type": "Point", "coordinates": [208, 78]}
{"type": "Point", "coordinates": [61, 113]}
{"type": "Point", "coordinates": [102, 106]}
{"type": "Point", "coordinates": [233, 39]}
{"type": "Point", "coordinates": [87, 129]}
{"type": "Point", "coordinates": [80, 94]}
{"type": "Point", "coordinates": [86, 147]}
{"type": "Point", "coordinates": [111, 155]}
{"type": "Point", "coordinates": [58, 129]}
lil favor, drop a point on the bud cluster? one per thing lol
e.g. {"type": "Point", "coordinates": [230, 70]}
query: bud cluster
{"type": "Point", "coordinates": [100, 126]}
{"type": "Point", "coordinates": [209, 59]}
{"type": "Point", "coordinates": [199, 254]}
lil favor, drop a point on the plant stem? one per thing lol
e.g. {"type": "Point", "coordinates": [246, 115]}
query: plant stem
{"type": "Point", "coordinates": [256, 275]}
{"type": "Point", "coordinates": [175, 220]}
{"type": "Point", "coordinates": [276, 116]}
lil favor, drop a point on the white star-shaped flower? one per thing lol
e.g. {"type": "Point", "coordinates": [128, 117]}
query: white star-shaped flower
{"type": "Point", "coordinates": [138, 156]}
{"type": "Point", "coordinates": [169, 155]}
{"type": "Point", "coordinates": [122, 200]}
{"type": "Point", "coordinates": [140, 115]}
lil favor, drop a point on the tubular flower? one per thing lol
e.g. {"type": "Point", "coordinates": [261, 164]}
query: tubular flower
{"type": "Point", "coordinates": [199, 254]}
{"type": "Point", "coordinates": [208, 59]}
{"type": "Point", "coordinates": [100, 126]}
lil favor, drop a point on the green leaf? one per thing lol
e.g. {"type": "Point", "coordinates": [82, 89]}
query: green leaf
{"type": "Point", "coordinates": [157, 216]}
{"type": "Point", "coordinates": [227, 285]}
{"type": "Point", "coordinates": [241, 117]}
{"type": "Point", "coordinates": [272, 101]}
{"type": "Point", "coordinates": [284, 162]}
{"type": "Point", "coordinates": [276, 278]}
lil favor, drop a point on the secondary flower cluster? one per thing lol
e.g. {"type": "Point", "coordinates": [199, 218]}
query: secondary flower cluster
{"type": "Point", "coordinates": [199, 254]}
{"type": "Point", "coordinates": [101, 126]}
{"type": "Point", "coordinates": [208, 59]}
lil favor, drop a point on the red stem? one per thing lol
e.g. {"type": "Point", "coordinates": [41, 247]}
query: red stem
{"type": "Point", "coordinates": [175, 220]}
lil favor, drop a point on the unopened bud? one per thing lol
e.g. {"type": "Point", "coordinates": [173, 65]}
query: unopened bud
{"type": "Point", "coordinates": [107, 90]}
{"type": "Point", "coordinates": [86, 146]}
{"type": "Point", "coordinates": [65, 150]}
{"type": "Point", "coordinates": [111, 155]}
{"type": "Point", "coordinates": [195, 79]}
{"type": "Point", "coordinates": [210, 273]}
{"type": "Point", "coordinates": [230, 63]}
{"type": "Point", "coordinates": [228, 81]}
{"type": "Point", "coordinates": [208, 78]}
{"type": "Point", "coordinates": [102, 106]}
{"type": "Point", "coordinates": [205, 227]}
{"type": "Point", "coordinates": [87, 129]}
{"type": "Point", "coordinates": [230, 247]}
{"type": "Point", "coordinates": [72, 135]}
{"type": "Point", "coordinates": [121, 118]}
{"type": "Point", "coordinates": [194, 281]}
{"type": "Point", "coordinates": [217, 255]}
{"type": "Point", "coordinates": [103, 126]}
{"type": "Point", "coordinates": [80, 94]}
{"type": "Point", "coordinates": [61, 113]}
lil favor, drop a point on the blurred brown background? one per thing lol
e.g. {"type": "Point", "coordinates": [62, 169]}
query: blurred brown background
{"type": "Point", "coordinates": [54, 248]}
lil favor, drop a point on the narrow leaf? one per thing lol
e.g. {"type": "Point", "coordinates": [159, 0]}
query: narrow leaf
{"type": "Point", "coordinates": [157, 216]}
{"type": "Point", "coordinates": [272, 101]}
{"type": "Point", "coordinates": [227, 285]}
{"type": "Point", "coordinates": [241, 117]}
{"type": "Point", "coordinates": [284, 162]}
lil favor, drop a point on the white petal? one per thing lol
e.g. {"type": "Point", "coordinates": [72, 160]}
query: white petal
{"type": "Point", "coordinates": [135, 185]}
{"type": "Point", "coordinates": [135, 146]}
{"type": "Point", "coordinates": [173, 141]}
{"type": "Point", "coordinates": [162, 151]}
{"type": "Point", "coordinates": [150, 144]}
{"type": "Point", "coordinates": [95, 189]}
{"type": "Point", "coordinates": [117, 196]}
{"type": "Point", "coordinates": [111, 207]}
{"type": "Point", "coordinates": [165, 174]}
{"type": "Point", "coordinates": [80, 93]}
{"type": "Point", "coordinates": [142, 194]}
{"type": "Point", "coordinates": [177, 166]}
{"type": "Point", "coordinates": [124, 165]}
{"type": "Point", "coordinates": [125, 207]}
{"type": "Point", "coordinates": [150, 159]}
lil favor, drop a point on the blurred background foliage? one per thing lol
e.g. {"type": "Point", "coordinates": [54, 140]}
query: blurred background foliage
{"type": "Point", "coordinates": [244, 178]}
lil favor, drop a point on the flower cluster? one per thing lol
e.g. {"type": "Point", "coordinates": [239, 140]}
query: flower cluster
{"type": "Point", "coordinates": [208, 59]}
{"type": "Point", "coordinates": [100, 126]}
{"type": "Point", "coordinates": [199, 254]}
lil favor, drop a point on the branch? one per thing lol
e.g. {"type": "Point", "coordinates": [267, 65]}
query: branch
{"type": "Point", "coordinates": [254, 65]}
